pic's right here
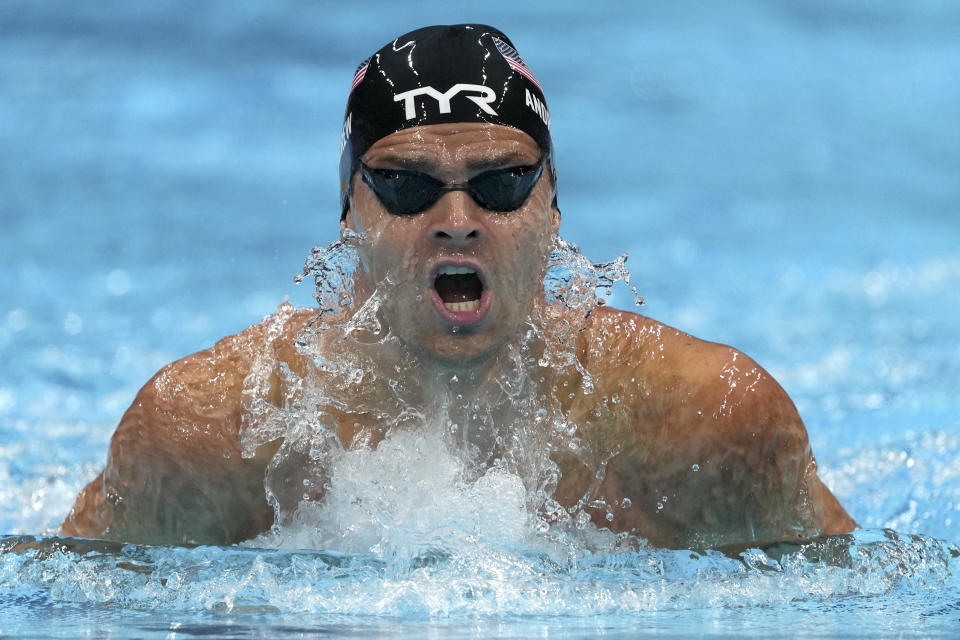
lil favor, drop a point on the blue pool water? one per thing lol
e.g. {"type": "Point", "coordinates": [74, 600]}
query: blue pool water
{"type": "Point", "coordinates": [783, 176]}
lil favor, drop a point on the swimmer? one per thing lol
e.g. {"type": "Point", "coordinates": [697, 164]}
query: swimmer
{"type": "Point", "coordinates": [448, 178]}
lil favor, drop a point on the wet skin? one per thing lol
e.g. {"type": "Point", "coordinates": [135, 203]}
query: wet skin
{"type": "Point", "coordinates": [508, 250]}
{"type": "Point", "coordinates": [705, 444]}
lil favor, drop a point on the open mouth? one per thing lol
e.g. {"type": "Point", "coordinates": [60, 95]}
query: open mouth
{"type": "Point", "coordinates": [459, 288]}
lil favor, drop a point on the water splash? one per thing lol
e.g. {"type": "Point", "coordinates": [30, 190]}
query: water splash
{"type": "Point", "coordinates": [377, 454]}
{"type": "Point", "coordinates": [864, 571]}
{"type": "Point", "coordinates": [334, 270]}
{"type": "Point", "coordinates": [406, 498]}
{"type": "Point", "coordinates": [573, 280]}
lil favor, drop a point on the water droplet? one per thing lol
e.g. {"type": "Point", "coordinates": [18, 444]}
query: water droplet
{"type": "Point", "coordinates": [626, 503]}
{"type": "Point", "coordinates": [695, 467]}
{"type": "Point", "coordinates": [227, 454]}
{"type": "Point", "coordinates": [609, 517]}
{"type": "Point", "coordinates": [582, 519]}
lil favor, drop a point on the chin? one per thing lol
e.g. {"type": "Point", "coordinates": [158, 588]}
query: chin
{"type": "Point", "coordinates": [435, 341]}
{"type": "Point", "coordinates": [460, 351]}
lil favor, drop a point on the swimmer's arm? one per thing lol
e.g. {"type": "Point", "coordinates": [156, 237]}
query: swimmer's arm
{"type": "Point", "coordinates": [757, 479]}
{"type": "Point", "coordinates": [175, 473]}
{"type": "Point", "coordinates": [706, 428]}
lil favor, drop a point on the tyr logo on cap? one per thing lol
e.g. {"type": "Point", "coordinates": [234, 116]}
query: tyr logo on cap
{"type": "Point", "coordinates": [483, 100]}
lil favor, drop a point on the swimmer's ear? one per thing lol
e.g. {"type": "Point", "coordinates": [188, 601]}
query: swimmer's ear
{"type": "Point", "coordinates": [346, 218]}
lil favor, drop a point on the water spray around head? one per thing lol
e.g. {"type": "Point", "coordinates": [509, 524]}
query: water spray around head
{"type": "Point", "coordinates": [379, 451]}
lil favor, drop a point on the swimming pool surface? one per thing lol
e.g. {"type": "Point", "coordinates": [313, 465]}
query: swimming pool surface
{"type": "Point", "coordinates": [783, 176]}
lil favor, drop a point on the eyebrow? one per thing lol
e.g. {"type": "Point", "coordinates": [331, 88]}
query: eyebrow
{"type": "Point", "coordinates": [506, 159]}
{"type": "Point", "coordinates": [415, 163]}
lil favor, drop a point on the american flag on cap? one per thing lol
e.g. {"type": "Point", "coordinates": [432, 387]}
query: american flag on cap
{"type": "Point", "coordinates": [515, 61]}
{"type": "Point", "coordinates": [358, 76]}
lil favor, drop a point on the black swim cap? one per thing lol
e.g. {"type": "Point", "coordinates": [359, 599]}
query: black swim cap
{"type": "Point", "coordinates": [448, 73]}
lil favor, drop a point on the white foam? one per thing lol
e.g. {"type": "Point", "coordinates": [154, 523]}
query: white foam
{"type": "Point", "coordinates": [408, 496]}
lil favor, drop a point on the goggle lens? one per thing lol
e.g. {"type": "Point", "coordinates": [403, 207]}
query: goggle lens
{"type": "Point", "coordinates": [403, 192]}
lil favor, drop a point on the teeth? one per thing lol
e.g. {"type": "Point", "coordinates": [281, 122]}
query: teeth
{"type": "Point", "coordinates": [471, 305]}
{"type": "Point", "coordinates": [450, 270]}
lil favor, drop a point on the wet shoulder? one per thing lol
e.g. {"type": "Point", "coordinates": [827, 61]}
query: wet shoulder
{"type": "Point", "coordinates": [673, 372]}
{"type": "Point", "coordinates": [617, 339]}
{"type": "Point", "coordinates": [217, 374]}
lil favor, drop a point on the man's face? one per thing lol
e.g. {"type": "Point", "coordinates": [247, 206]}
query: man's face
{"type": "Point", "coordinates": [458, 279]}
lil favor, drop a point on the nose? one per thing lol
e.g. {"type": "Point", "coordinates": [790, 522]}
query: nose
{"type": "Point", "coordinates": [454, 221]}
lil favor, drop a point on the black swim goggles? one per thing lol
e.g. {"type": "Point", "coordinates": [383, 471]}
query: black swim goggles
{"type": "Point", "coordinates": [404, 192]}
